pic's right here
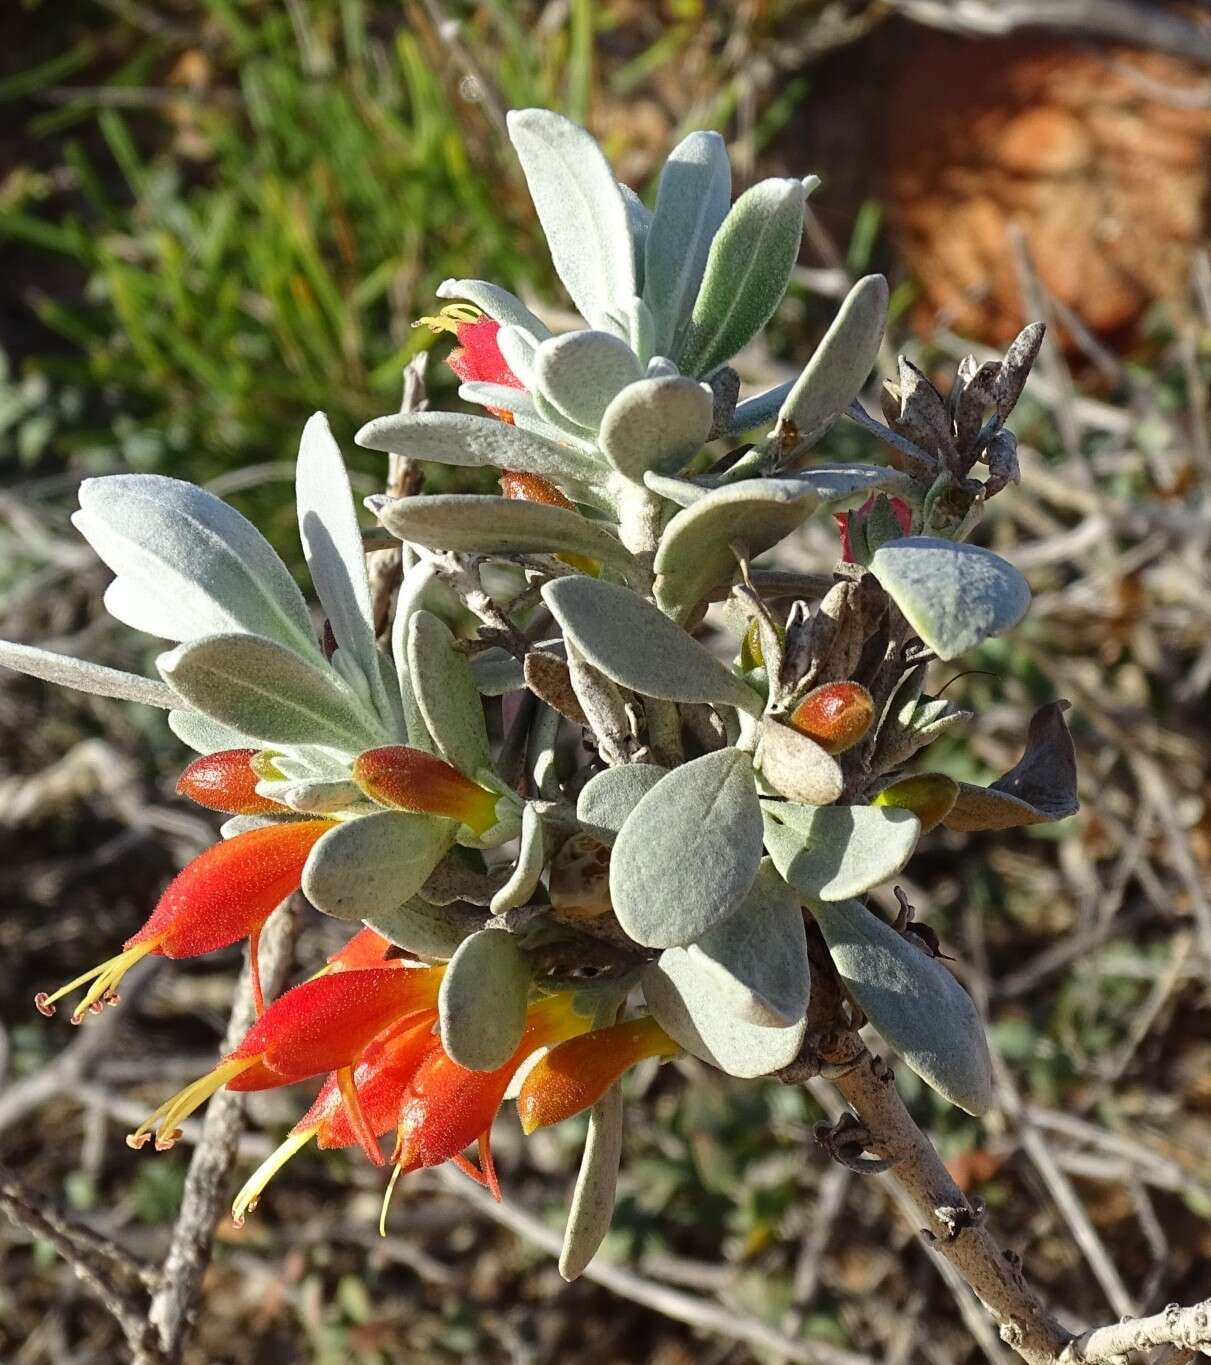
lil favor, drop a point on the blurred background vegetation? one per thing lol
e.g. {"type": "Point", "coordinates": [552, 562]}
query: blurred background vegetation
{"type": "Point", "coordinates": [219, 215]}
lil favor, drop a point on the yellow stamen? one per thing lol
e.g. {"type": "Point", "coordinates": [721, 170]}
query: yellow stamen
{"type": "Point", "coordinates": [167, 1119]}
{"type": "Point", "coordinates": [104, 980]}
{"type": "Point", "coordinates": [387, 1193]}
{"type": "Point", "coordinates": [450, 318]}
{"type": "Point", "coordinates": [254, 1186]}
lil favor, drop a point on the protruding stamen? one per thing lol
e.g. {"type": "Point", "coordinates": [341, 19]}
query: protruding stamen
{"type": "Point", "coordinates": [104, 979]}
{"type": "Point", "coordinates": [397, 1170]}
{"type": "Point", "coordinates": [254, 1186]}
{"type": "Point", "coordinates": [450, 318]}
{"type": "Point", "coordinates": [167, 1118]}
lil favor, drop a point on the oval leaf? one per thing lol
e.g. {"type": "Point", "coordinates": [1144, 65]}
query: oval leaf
{"type": "Point", "coordinates": [834, 852]}
{"type": "Point", "coordinates": [433, 931]}
{"type": "Point", "coordinates": [913, 1001]}
{"type": "Point", "coordinates": [797, 766]}
{"type": "Point", "coordinates": [747, 271]}
{"type": "Point", "coordinates": [582, 372]}
{"type": "Point", "coordinates": [592, 1208]}
{"type": "Point", "coordinates": [446, 695]}
{"type": "Point", "coordinates": [953, 595]}
{"type": "Point", "coordinates": [373, 864]}
{"type": "Point", "coordinates": [655, 424]}
{"type": "Point", "coordinates": [708, 1029]}
{"type": "Point", "coordinates": [687, 854]}
{"type": "Point", "coordinates": [481, 1005]}
{"type": "Point", "coordinates": [531, 857]}
{"type": "Point", "coordinates": [607, 799]}
{"type": "Point", "coordinates": [695, 553]}
{"type": "Point", "coordinates": [580, 207]}
{"type": "Point", "coordinates": [261, 688]}
{"type": "Point", "coordinates": [637, 646]}
{"type": "Point", "coordinates": [498, 303]}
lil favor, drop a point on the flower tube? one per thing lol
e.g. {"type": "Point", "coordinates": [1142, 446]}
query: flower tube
{"type": "Point", "coordinates": [411, 779]}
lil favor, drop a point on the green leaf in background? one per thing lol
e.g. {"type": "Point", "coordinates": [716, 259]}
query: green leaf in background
{"type": "Point", "coordinates": [834, 852]}
{"type": "Point", "coordinates": [261, 688]}
{"type": "Point", "coordinates": [582, 372]}
{"type": "Point", "coordinates": [481, 1004]}
{"type": "Point", "coordinates": [747, 271]}
{"type": "Point", "coordinates": [754, 963]}
{"type": "Point", "coordinates": [655, 424]}
{"type": "Point", "coordinates": [637, 646]}
{"type": "Point", "coordinates": [692, 201]}
{"type": "Point", "coordinates": [953, 595]}
{"type": "Point", "coordinates": [687, 854]}
{"type": "Point", "coordinates": [445, 694]}
{"type": "Point", "coordinates": [913, 1001]}
{"type": "Point", "coordinates": [371, 865]}
{"type": "Point", "coordinates": [608, 798]}
{"type": "Point", "coordinates": [834, 376]}
{"type": "Point", "coordinates": [580, 206]}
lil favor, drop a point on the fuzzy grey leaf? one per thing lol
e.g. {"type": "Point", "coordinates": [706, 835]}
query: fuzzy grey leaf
{"type": "Point", "coordinates": [582, 372]}
{"type": "Point", "coordinates": [580, 206]}
{"type": "Point", "coordinates": [498, 303]}
{"type": "Point", "coordinates": [747, 271]}
{"type": "Point", "coordinates": [445, 694]}
{"type": "Point", "coordinates": [608, 798]}
{"type": "Point", "coordinates": [481, 1003]}
{"type": "Point", "coordinates": [64, 671]}
{"type": "Point", "coordinates": [634, 644]}
{"type": "Point", "coordinates": [687, 854]}
{"type": "Point", "coordinates": [953, 595]}
{"type": "Point", "coordinates": [834, 852]}
{"type": "Point", "coordinates": [797, 766]}
{"type": "Point", "coordinates": [913, 1001]}
{"type": "Point", "coordinates": [428, 930]}
{"type": "Point", "coordinates": [592, 1207]}
{"type": "Point", "coordinates": [373, 864]}
{"type": "Point", "coordinates": [204, 735]}
{"type": "Point", "coordinates": [531, 858]}
{"type": "Point", "coordinates": [655, 424]}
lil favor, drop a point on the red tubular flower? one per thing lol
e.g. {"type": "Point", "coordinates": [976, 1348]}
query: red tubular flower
{"type": "Point", "coordinates": [224, 895]}
{"type": "Point", "coordinates": [411, 779]}
{"type": "Point", "coordinates": [477, 358]}
{"type": "Point", "coordinates": [836, 715]}
{"type": "Point", "coordinates": [321, 1025]}
{"type": "Point", "coordinates": [447, 1107]}
{"type": "Point", "coordinates": [577, 1073]}
{"type": "Point", "coordinates": [367, 948]}
{"type": "Point", "coordinates": [225, 781]}
{"type": "Point", "coordinates": [379, 1081]}
{"type": "Point", "coordinates": [903, 514]}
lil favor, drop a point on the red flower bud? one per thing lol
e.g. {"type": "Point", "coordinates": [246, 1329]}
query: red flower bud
{"type": "Point", "coordinates": [846, 521]}
{"type": "Point", "coordinates": [576, 1074]}
{"type": "Point", "coordinates": [411, 779]}
{"type": "Point", "coordinates": [224, 895]}
{"type": "Point", "coordinates": [928, 795]}
{"type": "Point", "coordinates": [225, 781]}
{"type": "Point", "coordinates": [835, 715]}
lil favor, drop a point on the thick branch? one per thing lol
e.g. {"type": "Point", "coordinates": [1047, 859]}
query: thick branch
{"type": "Point", "coordinates": [1189, 1329]}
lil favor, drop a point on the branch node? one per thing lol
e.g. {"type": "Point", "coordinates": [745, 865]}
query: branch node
{"type": "Point", "coordinates": [845, 1141]}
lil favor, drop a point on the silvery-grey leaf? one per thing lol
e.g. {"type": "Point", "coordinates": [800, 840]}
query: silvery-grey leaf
{"type": "Point", "coordinates": [531, 857]}
{"type": "Point", "coordinates": [332, 545]}
{"type": "Point", "coordinates": [692, 201]}
{"type": "Point", "coordinates": [712, 1032]}
{"type": "Point", "coordinates": [641, 330]}
{"type": "Point", "coordinates": [321, 798]}
{"type": "Point", "coordinates": [261, 688]}
{"type": "Point", "coordinates": [655, 423]}
{"type": "Point", "coordinates": [747, 271]}
{"type": "Point", "coordinates": [1040, 787]}
{"type": "Point", "coordinates": [241, 824]}
{"type": "Point", "coordinates": [836, 483]}
{"type": "Point", "coordinates": [797, 766]}
{"type": "Point", "coordinates": [834, 376]}
{"type": "Point", "coordinates": [518, 346]}
{"type": "Point", "coordinates": [496, 672]}
{"type": "Point", "coordinates": [954, 596]}
{"type": "Point", "coordinates": [481, 1004]}
{"type": "Point", "coordinates": [592, 1207]}
{"type": "Point", "coordinates": [206, 736]}
{"type": "Point", "coordinates": [101, 681]}
{"type": "Point", "coordinates": [754, 964]}
{"type": "Point", "coordinates": [429, 930]}
{"type": "Point", "coordinates": [687, 854]}
{"type": "Point", "coordinates": [187, 564]}
{"type": "Point", "coordinates": [760, 408]}
{"type": "Point", "coordinates": [498, 303]}
{"type": "Point", "coordinates": [660, 367]}
{"type": "Point", "coordinates": [579, 205]}
{"type": "Point", "coordinates": [913, 1001]}
{"type": "Point", "coordinates": [639, 219]}
{"type": "Point", "coordinates": [421, 590]}
{"type": "Point", "coordinates": [695, 553]}
{"type": "Point", "coordinates": [608, 798]}
{"type": "Point", "coordinates": [499, 396]}
{"type": "Point", "coordinates": [462, 439]}
{"type": "Point", "coordinates": [477, 523]}
{"type": "Point", "coordinates": [373, 863]}
{"type": "Point", "coordinates": [834, 852]}
{"type": "Point", "coordinates": [637, 646]}
{"type": "Point", "coordinates": [445, 694]}
{"type": "Point", "coordinates": [684, 492]}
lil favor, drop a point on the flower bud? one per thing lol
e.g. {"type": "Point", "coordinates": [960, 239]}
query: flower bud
{"type": "Point", "coordinates": [929, 796]}
{"type": "Point", "coordinates": [225, 781]}
{"type": "Point", "coordinates": [751, 654]}
{"type": "Point", "coordinates": [411, 779]}
{"type": "Point", "coordinates": [835, 715]}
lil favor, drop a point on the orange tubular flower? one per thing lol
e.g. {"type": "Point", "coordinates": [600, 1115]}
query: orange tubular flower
{"type": "Point", "coordinates": [447, 1107]}
{"type": "Point", "coordinates": [577, 1073]}
{"type": "Point", "coordinates": [324, 1024]}
{"type": "Point", "coordinates": [835, 715]}
{"type": "Point", "coordinates": [379, 1081]}
{"type": "Point", "coordinates": [411, 779]}
{"type": "Point", "coordinates": [225, 895]}
{"type": "Point", "coordinates": [225, 781]}
{"type": "Point", "coordinates": [367, 948]}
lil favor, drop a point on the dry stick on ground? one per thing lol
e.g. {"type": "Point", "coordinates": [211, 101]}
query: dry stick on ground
{"type": "Point", "coordinates": [175, 1302]}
